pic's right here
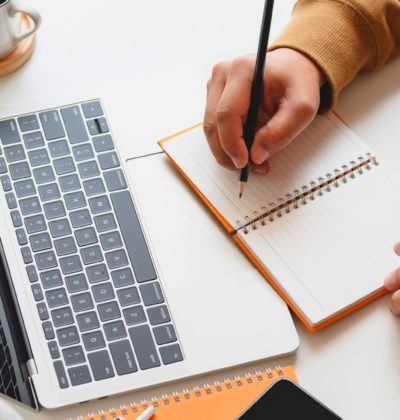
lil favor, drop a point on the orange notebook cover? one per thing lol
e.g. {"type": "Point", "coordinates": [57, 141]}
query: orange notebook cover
{"type": "Point", "coordinates": [219, 401]}
{"type": "Point", "coordinates": [347, 172]}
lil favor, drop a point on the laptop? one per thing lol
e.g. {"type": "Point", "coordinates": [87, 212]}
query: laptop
{"type": "Point", "coordinates": [114, 277]}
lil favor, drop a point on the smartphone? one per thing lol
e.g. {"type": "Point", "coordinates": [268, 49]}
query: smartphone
{"type": "Point", "coordinates": [285, 400]}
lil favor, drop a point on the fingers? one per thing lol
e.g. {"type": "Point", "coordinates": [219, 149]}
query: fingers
{"type": "Point", "coordinates": [392, 283]}
{"type": "Point", "coordinates": [395, 303]}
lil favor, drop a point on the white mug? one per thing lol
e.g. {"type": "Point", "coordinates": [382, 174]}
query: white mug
{"type": "Point", "coordinates": [10, 24]}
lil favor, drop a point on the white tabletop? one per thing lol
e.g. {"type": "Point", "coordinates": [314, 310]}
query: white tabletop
{"type": "Point", "coordinates": [159, 55]}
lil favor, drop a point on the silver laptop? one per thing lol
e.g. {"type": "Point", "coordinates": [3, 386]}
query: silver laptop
{"type": "Point", "coordinates": [113, 276]}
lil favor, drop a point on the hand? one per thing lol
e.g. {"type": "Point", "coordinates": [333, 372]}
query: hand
{"type": "Point", "coordinates": [392, 283]}
{"type": "Point", "coordinates": [290, 101]}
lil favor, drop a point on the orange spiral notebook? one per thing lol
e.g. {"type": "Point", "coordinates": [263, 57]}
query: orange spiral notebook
{"type": "Point", "coordinates": [220, 401]}
{"type": "Point", "coordinates": [319, 227]}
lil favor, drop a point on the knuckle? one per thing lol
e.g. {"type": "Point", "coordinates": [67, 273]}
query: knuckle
{"type": "Point", "coordinates": [223, 113]}
{"type": "Point", "coordinates": [209, 127]}
{"type": "Point", "coordinates": [305, 107]}
{"type": "Point", "coordinates": [218, 69]}
{"type": "Point", "coordinates": [239, 63]}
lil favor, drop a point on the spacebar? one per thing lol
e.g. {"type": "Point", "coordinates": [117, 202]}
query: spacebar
{"type": "Point", "coordinates": [133, 236]}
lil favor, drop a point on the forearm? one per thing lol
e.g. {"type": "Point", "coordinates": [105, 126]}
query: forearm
{"type": "Point", "coordinates": [343, 37]}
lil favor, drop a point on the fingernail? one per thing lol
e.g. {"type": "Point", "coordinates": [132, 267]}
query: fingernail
{"type": "Point", "coordinates": [260, 156]}
{"type": "Point", "coordinates": [390, 281]}
{"type": "Point", "coordinates": [260, 170]}
{"type": "Point", "coordinates": [237, 162]}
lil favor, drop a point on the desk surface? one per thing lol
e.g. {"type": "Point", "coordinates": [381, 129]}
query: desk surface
{"type": "Point", "coordinates": [168, 50]}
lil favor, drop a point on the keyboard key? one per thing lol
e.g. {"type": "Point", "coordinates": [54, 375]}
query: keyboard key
{"type": "Point", "coordinates": [65, 246]}
{"type": "Point", "coordinates": [53, 349]}
{"type": "Point", "coordinates": [62, 317]}
{"type": "Point", "coordinates": [21, 236]}
{"type": "Point", "coordinates": [108, 160]}
{"type": "Point", "coordinates": [88, 169]}
{"type": "Point", "coordinates": [79, 375]}
{"type": "Point", "coordinates": [26, 255]}
{"type": "Point", "coordinates": [6, 183]}
{"type": "Point", "coordinates": [51, 279]}
{"type": "Point", "coordinates": [51, 123]}
{"type": "Point", "coordinates": [74, 356]}
{"type": "Point", "coordinates": [19, 170]}
{"type": "Point", "coordinates": [99, 204]}
{"type": "Point", "coordinates": [92, 109]}
{"type": "Point", "coordinates": [42, 311]}
{"type": "Point", "coordinates": [60, 372]}
{"type": "Point", "coordinates": [32, 273]}
{"type": "Point", "coordinates": [144, 347]}
{"type": "Point", "coordinates": [74, 124]}
{"type": "Point", "coordinates": [44, 174]}
{"type": "Point", "coordinates": [171, 354]}
{"type": "Point", "coordinates": [93, 127]}
{"type": "Point", "coordinates": [122, 277]}
{"type": "Point", "coordinates": [9, 132]}
{"type": "Point", "coordinates": [59, 228]}
{"type": "Point", "coordinates": [16, 218]}
{"type": "Point", "coordinates": [48, 330]}
{"type": "Point", "coordinates": [35, 224]}
{"type": "Point", "coordinates": [71, 264]}
{"type": "Point", "coordinates": [14, 153]}
{"type": "Point", "coordinates": [64, 165]}
{"type": "Point", "coordinates": [102, 123]}
{"type": "Point", "coordinates": [54, 210]}
{"type": "Point", "coordinates": [133, 236]}
{"type": "Point", "coordinates": [76, 283]}
{"type": "Point", "coordinates": [115, 180]}
{"type": "Point", "coordinates": [59, 148]}
{"type": "Point", "coordinates": [111, 240]}
{"type": "Point", "coordinates": [103, 292]}
{"type": "Point", "coordinates": [103, 143]}
{"type": "Point", "coordinates": [86, 236]}
{"type": "Point", "coordinates": [24, 188]}
{"type": "Point", "coordinates": [97, 273]}
{"type": "Point", "coordinates": [3, 166]}
{"type": "Point", "coordinates": [108, 311]}
{"type": "Point", "coordinates": [101, 365]}
{"type": "Point", "coordinates": [123, 358]}
{"type": "Point", "coordinates": [151, 293]}
{"type": "Point", "coordinates": [82, 302]}
{"type": "Point", "coordinates": [91, 255]}
{"type": "Point", "coordinates": [57, 297]}
{"type": "Point", "coordinates": [37, 292]}
{"type": "Point", "coordinates": [38, 157]}
{"type": "Point", "coordinates": [164, 334]}
{"type": "Point", "coordinates": [116, 259]}
{"type": "Point", "coordinates": [46, 260]}
{"type": "Point", "coordinates": [75, 200]}
{"type": "Point", "coordinates": [83, 152]}
{"type": "Point", "coordinates": [69, 183]}
{"type": "Point", "coordinates": [28, 123]}
{"type": "Point", "coordinates": [88, 321]}
{"type": "Point", "coordinates": [33, 140]}
{"type": "Point", "coordinates": [134, 315]}
{"type": "Point", "coordinates": [94, 187]}
{"type": "Point", "coordinates": [40, 242]}
{"type": "Point", "coordinates": [158, 315]}
{"type": "Point", "coordinates": [68, 336]}
{"type": "Point", "coordinates": [80, 218]}
{"type": "Point", "coordinates": [128, 296]}
{"type": "Point", "coordinates": [93, 341]}
{"type": "Point", "coordinates": [30, 205]}
{"type": "Point", "coordinates": [114, 330]}
{"type": "Point", "coordinates": [105, 222]}
{"type": "Point", "coordinates": [11, 200]}
{"type": "Point", "coordinates": [49, 192]}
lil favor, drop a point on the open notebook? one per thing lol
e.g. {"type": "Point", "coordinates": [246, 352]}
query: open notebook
{"type": "Point", "coordinates": [320, 226]}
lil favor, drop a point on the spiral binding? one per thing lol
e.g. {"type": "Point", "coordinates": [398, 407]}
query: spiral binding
{"type": "Point", "coordinates": [306, 193]}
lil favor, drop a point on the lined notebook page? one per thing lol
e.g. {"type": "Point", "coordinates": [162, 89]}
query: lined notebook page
{"type": "Point", "coordinates": [335, 250]}
{"type": "Point", "coordinates": [326, 145]}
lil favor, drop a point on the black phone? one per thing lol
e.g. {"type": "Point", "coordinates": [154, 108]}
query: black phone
{"type": "Point", "coordinates": [285, 400]}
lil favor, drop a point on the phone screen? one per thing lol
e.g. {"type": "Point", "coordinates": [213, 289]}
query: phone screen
{"type": "Point", "coordinates": [286, 401]}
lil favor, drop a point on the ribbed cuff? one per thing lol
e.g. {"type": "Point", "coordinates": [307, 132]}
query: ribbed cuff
{"type": "Point", "coordinates": [334, 36]}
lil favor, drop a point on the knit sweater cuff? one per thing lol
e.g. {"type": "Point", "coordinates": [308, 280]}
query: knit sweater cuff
{"type": "Point", "coordinates": [333, 35]}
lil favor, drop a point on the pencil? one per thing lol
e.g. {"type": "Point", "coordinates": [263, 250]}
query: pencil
{"type": "Point", "coordinates": [256, 90]}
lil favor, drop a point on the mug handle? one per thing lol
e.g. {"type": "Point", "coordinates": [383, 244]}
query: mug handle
{"type": "Point", "coordinates": [32, 13]}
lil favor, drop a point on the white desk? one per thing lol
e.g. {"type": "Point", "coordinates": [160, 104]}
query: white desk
{"type": "Point", "coordinates": [159, 55]}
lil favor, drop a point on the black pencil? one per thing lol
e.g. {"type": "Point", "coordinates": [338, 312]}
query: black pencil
{"type": "Point", "coordinates": [256, 89]}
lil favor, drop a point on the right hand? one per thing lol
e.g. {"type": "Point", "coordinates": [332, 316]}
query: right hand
{"type": "Point", "coordinates": [290, 101]}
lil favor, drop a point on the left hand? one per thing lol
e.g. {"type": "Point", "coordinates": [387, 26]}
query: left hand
{"type": "Point", "coordinates": [392, 283]}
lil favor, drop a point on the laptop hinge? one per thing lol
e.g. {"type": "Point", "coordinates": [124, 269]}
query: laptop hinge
{"type": "Point", "coordinates": [31, 366]}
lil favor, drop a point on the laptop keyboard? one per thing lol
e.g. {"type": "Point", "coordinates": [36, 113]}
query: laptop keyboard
{"type": "Point", "coordinates": [8, 379]}
{"type": "Point", "coordinates": [101, 305]}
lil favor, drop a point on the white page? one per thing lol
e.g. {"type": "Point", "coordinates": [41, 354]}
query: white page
{"type": "Point", "coordinates": [326, 145]}
{"type": "Point", "coordinates": [335, 250]}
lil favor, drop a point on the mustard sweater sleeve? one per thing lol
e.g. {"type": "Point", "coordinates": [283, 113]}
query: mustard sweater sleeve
{"type": "Point", "coordinates": [343, 37]}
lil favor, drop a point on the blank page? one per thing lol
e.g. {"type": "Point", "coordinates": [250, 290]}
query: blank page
{"type": "Point", "coordinates": [325, 145]}
{"type": "Point", "coordinates": [335, 250]}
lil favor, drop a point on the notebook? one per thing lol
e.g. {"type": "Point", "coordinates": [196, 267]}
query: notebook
{"type": "Point", "coordinates": [221, 400]}
{"type": "Point", "coordinates": [320, 226]}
